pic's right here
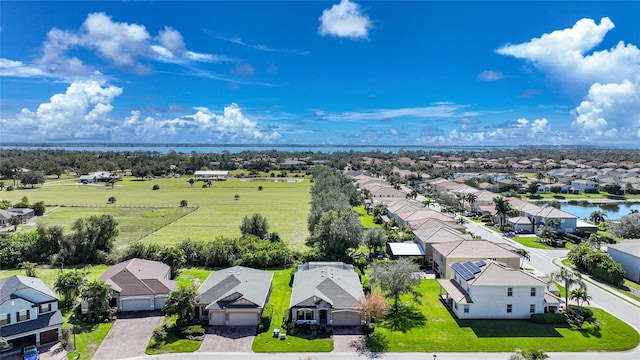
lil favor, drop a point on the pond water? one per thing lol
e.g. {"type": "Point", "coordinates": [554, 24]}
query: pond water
{"type": "Point", "coordinates": [614, 211]}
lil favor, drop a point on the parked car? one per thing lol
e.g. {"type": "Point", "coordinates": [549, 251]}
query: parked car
{"type": "Point", "coordinates": [30, 353]}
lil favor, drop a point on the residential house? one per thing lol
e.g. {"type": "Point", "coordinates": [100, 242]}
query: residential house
{"type": "Point", "coordinates": [29, 312]}
{"type": "Point", "coordinates": [326, 293]}
{"type": "Point", "coordinates": [488, 289]}
{"type": "Point", "coordinates": [5, 216]}
{"type": "Point", "coordinates": [447, 253]}
{"type": "Point", "coordinates": [139, 285]}
{"type": "Point", "coordinates": [627, 253]}
{"type": "Point", "coordinates": [426, 237]}
{"type": "Point", "coordinates": [582, 186]}
{"type": "Point", "coordinates": [25, 214]}
{"type": "Point", "coordinates": [234, 296]}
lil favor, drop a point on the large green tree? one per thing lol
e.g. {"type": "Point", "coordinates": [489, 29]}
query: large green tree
{"type": "Point", "coordinates": [32, 178]}
{"type": "Point", "coordinates": [336, 232]}
{"type": "Point", "coordinates": [375, 238]}
{"type": "Point", "coordinates": [68, 284]}
{"type": "Point", "coordinates": [181, 302]}
{"type": "Point", "coordinates": [396, 278]}
{"type": "Point", "coordinates": [502, 210]}
{"type": "Point", "coordinates": [96, 294]}
{"type": "Point", "coordinates": [255, 225]}
{"type": "Point", "coordinates": [628, 227]}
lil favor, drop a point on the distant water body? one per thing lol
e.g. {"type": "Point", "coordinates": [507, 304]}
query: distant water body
{"type": "Point", "coordinates": [233, 148]}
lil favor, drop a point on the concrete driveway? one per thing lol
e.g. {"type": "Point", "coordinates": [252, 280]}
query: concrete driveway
{"type": "Point", "coordinates": [128, 337]}
{"type": "Point", "coordinates": [228, 339]}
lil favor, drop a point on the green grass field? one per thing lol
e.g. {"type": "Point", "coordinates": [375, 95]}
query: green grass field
{"type": "Point", "coordinates": [442, 332]}
{"type": "Point", "coordinates": [285, 204]}
{"type": "Point", "coordinates": [48, 275]}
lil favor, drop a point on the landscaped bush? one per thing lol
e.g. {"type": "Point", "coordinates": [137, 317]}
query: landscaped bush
{"type": "Point", "coordinates": [549, 318]}
{"type": "Point", "coordinates": [156, 187]}
{"type": "Point", "coordinates": [265, 319]}
{"type": "Point", "coordinates": [193, 332]}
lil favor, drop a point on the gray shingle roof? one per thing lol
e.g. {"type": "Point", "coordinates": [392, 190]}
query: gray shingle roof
{"type": "Point", "coordinates": [338, 287]}
{"type": "Point", "coordinates": [631, 247]}
{"type": "Point", "coordinates": [235, 285]}
{"type": "Point", "coordinates": [8, 286]}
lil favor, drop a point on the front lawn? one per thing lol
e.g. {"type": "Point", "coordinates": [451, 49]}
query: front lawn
{"type": "Point", "coordinates": [173, 343]}
{"type": "Point", "coordinates": [88, 338]}
{"type": "Point", "coordinates": [265, 342]}
{"type": "Point", "coordinates": [530, 241]}
{"type": "Point", "coordinates": [442, 332]}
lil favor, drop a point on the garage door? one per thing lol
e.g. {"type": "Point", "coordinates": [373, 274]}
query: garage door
{"type": "Point", "coordinates": [48, 336]}
{"type": "Point", "coordinates": [159, 301]}
{"type": "Point", "coordinates": [217, 318]}
{"type": "Point", "coordinates": [243, 318]}
{"type": "Point", "coordinates": [135, 304]}
{"type": "Point", "coordinates": [345, 318]}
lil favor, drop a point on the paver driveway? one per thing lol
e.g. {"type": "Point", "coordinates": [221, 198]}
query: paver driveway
{"type": "Point", "coordinates": [348, 339]}
{"type": "Point", "coordinates": [128, 337]}
{"type": "Point", "coordinates": [228, 339]}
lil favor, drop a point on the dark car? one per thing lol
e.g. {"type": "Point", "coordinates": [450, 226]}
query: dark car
{"type": "Point", "coordinates": [30, 353]}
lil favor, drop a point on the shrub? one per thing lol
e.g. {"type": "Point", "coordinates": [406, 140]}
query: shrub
{"type": "Point", "coordinates": [10, 188]}
{"type": "Point", "coordinates": [376, 342]}
{"type": "Point", "coordinates": [112, 199]}
{"type": "Point", "coordinates": [265, 319]}
{"type": "Point", "coordinates": [193, 332]}
{"type": "Point", "coordinates": [549, 318]}
{"type": "Point", "coordinates": [159, 335]}
{"type": "Point", "coordinates": [156, 187]}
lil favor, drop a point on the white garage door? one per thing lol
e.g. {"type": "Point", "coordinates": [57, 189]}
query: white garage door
{"type": "Point", "coordinates": [345, 318]}
{"type": "Point", "coordinates": [135, 304]}
{"type": "Point", "coordinates": [243, 318]}
{"type": "Point", "coordinates": [159, 301]}
{"type": "Point", "coordinates": [217, 318]}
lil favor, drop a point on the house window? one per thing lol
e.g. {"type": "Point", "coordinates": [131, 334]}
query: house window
{"type": "Point", "coordinates": [509, 291]}
{"type": "Point", "coordinates": [455, 305]}
{"type": "Point", "coordinates": [22, 315]}
{"type": "Point", "coordinates": [5, 319]}
{"type": "Point", "coordinates": [533, 291]}
{"type": "Point", "coordinates": [532, 308]}
{"type": "Point", "coordinates": [509, 308]}
{"type": "Point", "coordinates": [305, 314]}
{"type": "Point", "coordinates": [44, 308]}
{"type": "Point", "coordinates": [466, 308]}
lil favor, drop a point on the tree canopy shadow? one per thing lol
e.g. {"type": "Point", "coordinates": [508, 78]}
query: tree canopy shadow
{"type": "Point", "coordinates": [405, 319]}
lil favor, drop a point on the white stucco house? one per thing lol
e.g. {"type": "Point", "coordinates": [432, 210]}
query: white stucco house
{"type": "Point", "coordinates": [488, 289]}
{"type": "Point", "coordinates": [627, 253]}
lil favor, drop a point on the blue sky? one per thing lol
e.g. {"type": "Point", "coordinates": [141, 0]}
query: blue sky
{"type": "Point", "coordinates": [321, 72]}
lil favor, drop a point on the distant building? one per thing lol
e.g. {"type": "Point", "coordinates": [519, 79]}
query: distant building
{"type": "Point", "coordinates": [214, 175]}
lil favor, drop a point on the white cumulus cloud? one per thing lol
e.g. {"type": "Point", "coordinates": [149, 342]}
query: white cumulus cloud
{"type": "Point", "coordinates": [82, 111]}
{"type": "Point", "coordinates": [607, 80]}
{"type": "Point", "coordinates": [345, 20]}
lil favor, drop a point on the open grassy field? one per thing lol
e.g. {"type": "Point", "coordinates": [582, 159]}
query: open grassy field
{"type": "Point", "coordinates": [285, 204]}
{"type": "Point", "coordinates": [441, 331]}
{"type": "Point", "coordinates": [48, 275]}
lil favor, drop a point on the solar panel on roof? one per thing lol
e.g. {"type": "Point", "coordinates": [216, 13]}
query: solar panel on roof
{"type": "Point", "coordinates": [463, 271]}
{"type": "Point", "coordinates": [481, 263]}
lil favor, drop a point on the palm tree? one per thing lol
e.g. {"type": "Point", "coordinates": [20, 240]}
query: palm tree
{"type": "Point", "coordinates": [580, 296]}
{"type": "Point", "coordinates": [541, 176]}
{"type": "Point", "coordinates": [553, 223]}
{"type": "Point", "coordinates": [524, 255]}
{"type": "Point", "coordinates": [597, 217]}
{"type": "Point", "coordinates": [471, 199]}
{"type": "Point", "coordinates": [568, 278]}
{"type": "Point", "coordinates": [502, 209]}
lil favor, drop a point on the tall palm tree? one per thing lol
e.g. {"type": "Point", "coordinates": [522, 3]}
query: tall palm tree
{"type": "Point", "coordinates": [524, 255]}
{"type": "Point", "coordinates": [580, 296]}
{"type": "Point", "coordinates": [541, 176]}
{"type": "Point", "coordinates": [471, 199]}
{"type": "Point", "coordinates": [502, 209]}
{"type": "Point", "coordinates": [568, 278]}
{"type": "Point", "coordinates": [597, 217]}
